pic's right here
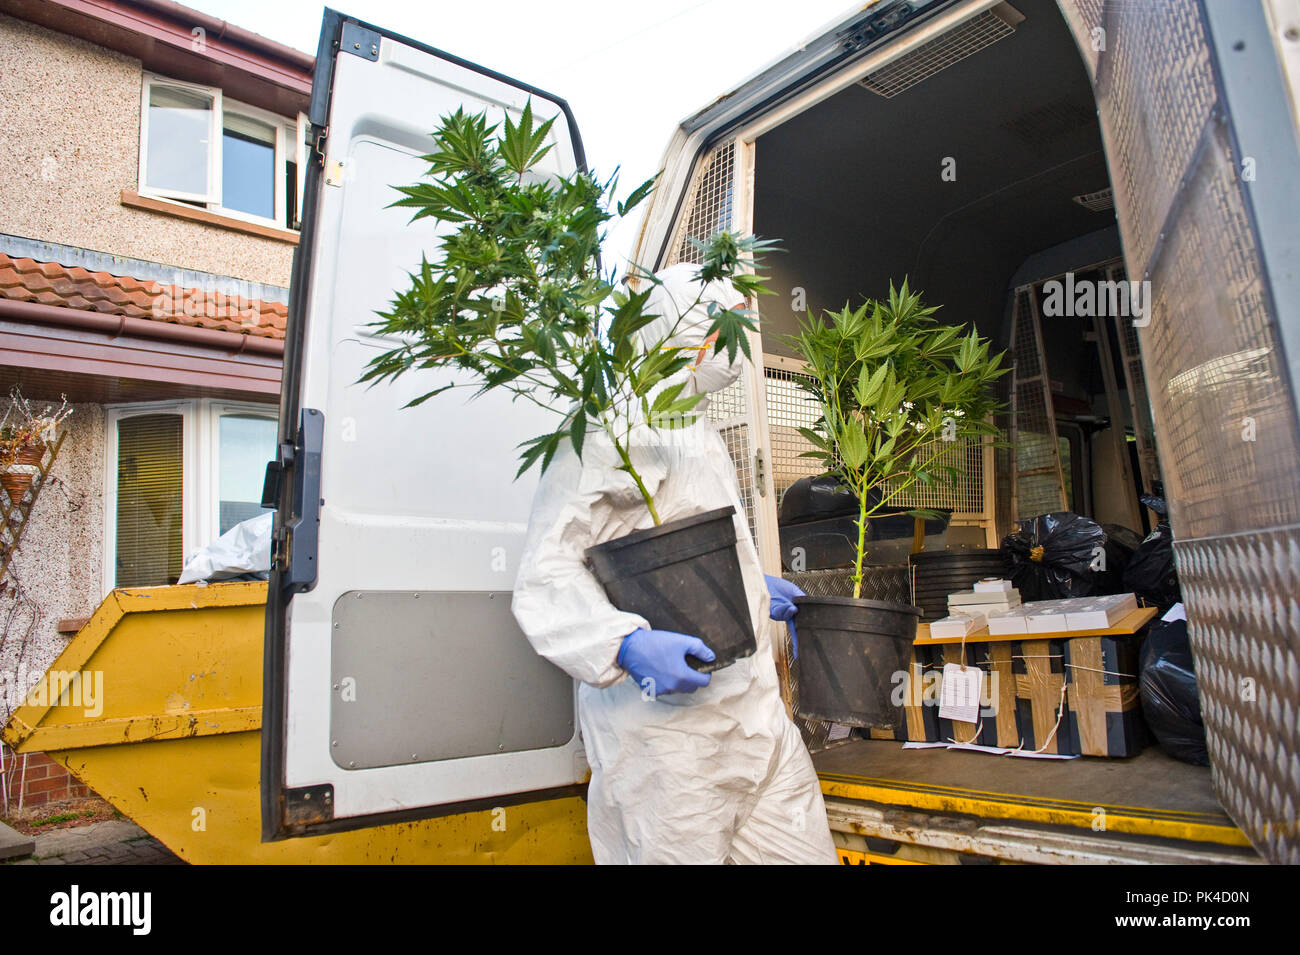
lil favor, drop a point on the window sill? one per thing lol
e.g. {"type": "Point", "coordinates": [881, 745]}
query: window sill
{"type": "Point", "coordinates": [136, 201]}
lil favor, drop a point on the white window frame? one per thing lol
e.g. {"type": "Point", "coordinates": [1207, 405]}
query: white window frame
{"type": "Point", "coordinates": [214, 141]}
{"type": "Point", "coordinates": [113, 414]}
{"type": "Point", "coordinates": [200, 469]}
{"type": "Point", "coordinates": [208, 491]}
{"type": "Point", "coordinates": [290, 131]}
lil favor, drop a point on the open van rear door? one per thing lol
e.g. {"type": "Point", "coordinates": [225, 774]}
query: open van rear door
{"type": "Point", "coordinates": [396, 683]}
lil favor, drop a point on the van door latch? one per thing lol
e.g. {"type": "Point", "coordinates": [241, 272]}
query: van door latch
{"type": "Point", "coordinates": [296, 553]}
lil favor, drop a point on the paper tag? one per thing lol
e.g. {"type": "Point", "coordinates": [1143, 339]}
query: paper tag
{"type": "Point", "coordinates": [959, 693]}
{"type": "Point", "coordinates": [837, 731]}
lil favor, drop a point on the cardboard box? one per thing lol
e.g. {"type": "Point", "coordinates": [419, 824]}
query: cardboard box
{"type": "Point", "coordinates": [920, 697]}
{"type": "Point", "coordinates": [1098, 613]}
{"type": "Point", "coordinates": [1105, 711]}
{"type": "Point", "coordinates": [1040, 674]}
{"type": "Point", "coordinates": [1048, 616]}
{"type": "Point", "coordinates": [958, 625]}
{"type": "Point", "coordinates": [968, 598]}
{"type": "Point", "coordinates": [1009, 622]}
{"type": "Point", "coordinates": [998, 724]}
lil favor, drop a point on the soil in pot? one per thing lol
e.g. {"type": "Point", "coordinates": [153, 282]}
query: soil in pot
{"type": "Point", "coordinates": [850, 653]}
{"type": "Point", "coordinates": [682, 576]}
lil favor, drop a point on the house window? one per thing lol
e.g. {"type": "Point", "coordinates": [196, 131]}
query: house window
{"type": "Point", "coordinates": [200, 148]}
{"type": "Point", "coordinates": [245, 443]}
{"type": "Point", "coordinates": [179, 147]}
{"type": "Point", "coordinates": [180, 474]}
{"type": "Point", "coordinates": [149, 507]}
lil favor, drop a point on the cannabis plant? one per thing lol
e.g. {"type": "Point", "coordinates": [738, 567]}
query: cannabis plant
{"type": "Point", "coordinates": [896, 390]}
{"type": "Point", "coordinates": [516, 298]}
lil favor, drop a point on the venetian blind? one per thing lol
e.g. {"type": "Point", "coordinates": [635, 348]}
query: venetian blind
{"type": "Point", "coordinates": [149, 500]}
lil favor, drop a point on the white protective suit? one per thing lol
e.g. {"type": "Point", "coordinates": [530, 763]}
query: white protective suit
{"type": "Point", "coordinates": [713, 776]}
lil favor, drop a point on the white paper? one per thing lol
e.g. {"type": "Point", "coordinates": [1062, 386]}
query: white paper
{"type": "Point", "coordinates": [911, 745]}
{"type": "Point", "coordinates": [1030, 754]}
{"type": "Point", "coordinates": [1176, 612]}
{"type": "Point", "coordinates": [995, 750]}
{"type": "Point", "coordinates": [959, 693]}
{"type": "Point", "coordinates": [837, 731]}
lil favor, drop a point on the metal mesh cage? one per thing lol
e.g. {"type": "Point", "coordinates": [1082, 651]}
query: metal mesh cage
{"type": "Point", "coordinates": [709, 204]}
{"type": "Point", "coordinates": [1221, 399]}
{"type": "Point", "coordinates": [1144, 429]}
{"type": "Point", "coordinates": [1150, 131]}
{"type": "Point", "coordinates": [966, 39]}
{"type": "Point", "coordinates": [1038, 484]}
{"type": "Point", "coordinates": [790, 408]}
{"type": "Point", "coordinates": [708, 209]}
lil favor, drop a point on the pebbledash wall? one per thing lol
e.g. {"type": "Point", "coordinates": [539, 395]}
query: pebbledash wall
{"type": "Point", "coordinates": [56, 575]}
{"type": "Point", "coordinates": [69, 145]}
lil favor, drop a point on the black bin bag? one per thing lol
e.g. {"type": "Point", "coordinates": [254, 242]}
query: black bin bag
{"type": "Point", "coordinates": [1167, 686]}
{"type": "Point", "coordinates": [1151, 573]}
{"type": "Point", "coordinates": [1052, 556]}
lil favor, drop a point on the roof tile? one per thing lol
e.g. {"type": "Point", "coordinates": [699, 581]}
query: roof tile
{"type": "Point", "coordinates": [51, 283]}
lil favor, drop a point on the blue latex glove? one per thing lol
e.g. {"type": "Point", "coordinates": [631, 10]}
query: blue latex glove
{"type": "Point", "coordinates": [783, 593]}
{"type": "Point", "coordinates": [657, 661]}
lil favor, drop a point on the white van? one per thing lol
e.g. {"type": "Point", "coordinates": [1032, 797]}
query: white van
{"type": "Point", "coordinates": [981, 148]}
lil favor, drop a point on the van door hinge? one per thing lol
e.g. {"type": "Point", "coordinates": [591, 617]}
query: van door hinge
{"type": "Point", "coordinates": [334, 172]}
{"type": "Point", "coordinates": [359, 41]}
{"type": "Point", "coordinates": [760, 472]}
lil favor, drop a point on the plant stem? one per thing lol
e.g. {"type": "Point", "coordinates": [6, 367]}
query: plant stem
{"type": "Point", "coordinates": [862, 543]}
{"type": "Point", "coordinates": [640, 485]}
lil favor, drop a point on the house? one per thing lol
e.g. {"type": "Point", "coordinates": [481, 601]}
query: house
{"type": "Point", "coordinates": [152, 163]}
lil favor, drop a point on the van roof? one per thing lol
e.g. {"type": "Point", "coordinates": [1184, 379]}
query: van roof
{"type": "Point", "coordinates": [844, 38]}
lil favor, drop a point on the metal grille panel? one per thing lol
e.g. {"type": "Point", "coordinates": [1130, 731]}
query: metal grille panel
{"type": "Point", "coordinates": [789, 408]}
{"type": "Point", "coordinates": [966, 39]}
{"type": "Point", "coordinates": [1038, 487]}
{"type": "Point", "coordinates": [709, 204]}
{"type": "Point", "coordinates": [1216, 378]}
{"type": "Point", "coordinates": [1084, 20]}
{"type": "Point", "coordinates": [1222, 403]}
{"type": "Point", "coordinates": [1153, 48]}
{"type": "Point", "coordinates": [708, 209]}
{"type": "Point", "coordinates": [1144, 429]}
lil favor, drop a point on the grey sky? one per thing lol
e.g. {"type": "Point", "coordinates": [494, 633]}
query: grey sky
{"type": "Point", "coordinates": [630, 71]}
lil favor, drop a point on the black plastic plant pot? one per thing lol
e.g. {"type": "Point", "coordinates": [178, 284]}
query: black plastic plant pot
{"type": "Point", "coordinates": [850, 654]}
{"type": "Point", "coordinates": [682, 576]}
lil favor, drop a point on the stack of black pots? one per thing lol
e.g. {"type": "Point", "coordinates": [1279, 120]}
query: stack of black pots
{"type": "Point", "coordinates": [936, 574]}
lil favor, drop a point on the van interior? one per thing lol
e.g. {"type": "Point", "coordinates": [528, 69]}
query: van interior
{"type": "Point", "coordinates": [973, 174]}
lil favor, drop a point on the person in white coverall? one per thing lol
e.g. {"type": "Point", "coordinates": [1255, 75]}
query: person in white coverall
{"type": "Point", "coordinates": [710, 769]}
